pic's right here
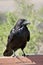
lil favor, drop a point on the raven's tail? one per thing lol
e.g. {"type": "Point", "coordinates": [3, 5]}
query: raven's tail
{"type": "Point", "coordinates": [7, 52]}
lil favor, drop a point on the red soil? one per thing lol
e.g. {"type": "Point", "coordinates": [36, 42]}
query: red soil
{"type": "Point", "coordinates": [28, 60]}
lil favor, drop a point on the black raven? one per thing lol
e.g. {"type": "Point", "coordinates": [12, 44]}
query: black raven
{"type": "Point", "coordinates": [18, 37]}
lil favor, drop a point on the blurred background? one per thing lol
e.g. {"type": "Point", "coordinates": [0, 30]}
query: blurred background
{"type": "Point", "coordinates": [32, 10]}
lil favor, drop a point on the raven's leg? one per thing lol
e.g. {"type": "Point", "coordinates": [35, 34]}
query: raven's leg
{"type": "Point", "coordinates": [23, 53]}
{"type": "Point", "coordinates": [23, 46]}
{"type": "Point", "coordinates": [14, 54]}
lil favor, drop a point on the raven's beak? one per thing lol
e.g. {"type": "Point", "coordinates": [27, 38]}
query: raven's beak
{"type": "Point", "coordinates": [26, 23]}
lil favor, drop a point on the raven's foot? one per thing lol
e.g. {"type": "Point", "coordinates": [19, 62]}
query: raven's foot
{"type": "Point", "coordinates": [23, 54]}
{"type": "Point", "coordinates": [14, 55]}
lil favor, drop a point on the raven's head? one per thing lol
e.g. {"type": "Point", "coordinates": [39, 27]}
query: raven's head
{"type": "Point", "coordinates": [22, 22]}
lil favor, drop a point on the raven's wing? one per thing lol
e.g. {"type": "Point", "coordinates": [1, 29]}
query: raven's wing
{"type": "Point", "coordinates": [15, 33]}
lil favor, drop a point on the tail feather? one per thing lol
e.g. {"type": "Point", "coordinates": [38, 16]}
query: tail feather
{"type": "Point", "coordinates": [8, 52]}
